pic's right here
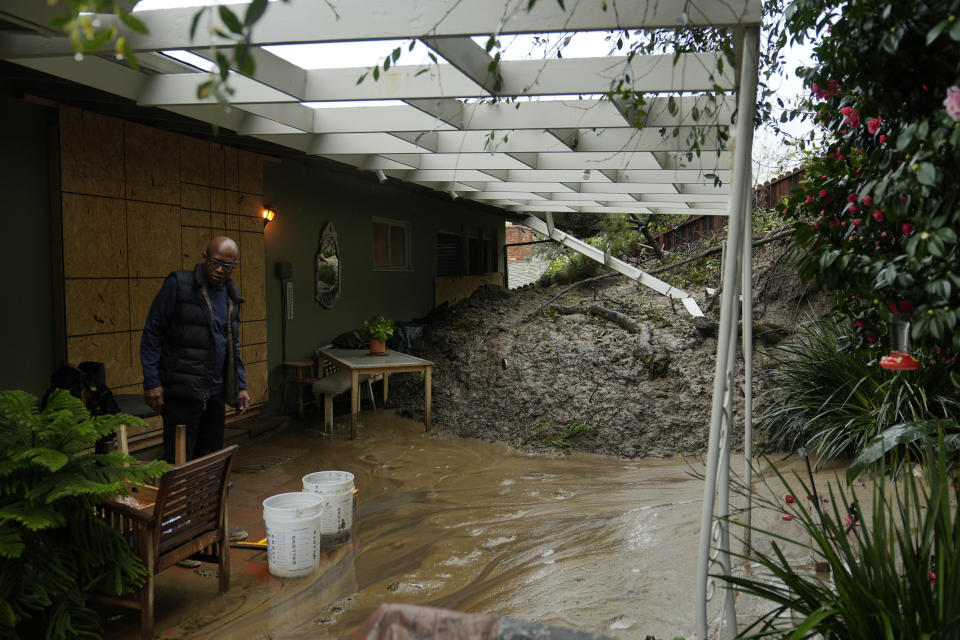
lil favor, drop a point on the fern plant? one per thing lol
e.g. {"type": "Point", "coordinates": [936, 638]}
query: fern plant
{"type": "Point", "coordinates": [54, 548]}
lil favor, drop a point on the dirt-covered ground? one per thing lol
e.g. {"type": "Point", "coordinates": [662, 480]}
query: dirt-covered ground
{"type": "Point", "coordinates": [509, 369]}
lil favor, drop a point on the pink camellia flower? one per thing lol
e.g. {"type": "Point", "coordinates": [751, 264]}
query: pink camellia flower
{"type": "Point", "coordinates": [907, 228]}
{"type": "Point", "coordinates": [846, 110]}
{"type": "Point", "coordinates": [882, 139]}
{"type": "Point", "coordinates": [833, 222]}
{"type": "Point", "coordinates": [823, 192]}
{"type": "Point", "coordinates": [789, 499]}
{"type": "Point", "coordinates": [866, 201]}
{"type": "Point", "coordinates": [852, 197]}
{"type": "Point", "coordinates": [933, 577]}
{"type": "Point", "coordinates": [854, 208]}
{"type": "Point", "coordinates": [816, 226]}
{"type": "Point", "coordinates": [871, 337]}
{"type": "Point", "coordinates": [857, 222]}
{"type": "Point", "coordinates": [787, 516]}
{"type": "Point", "coordinates": [859, 325]}
{"type": "Point", "coordinates": [808, 199]}
{"type": "Point", "coordinates": [874, 125]}
{"type": "Point", "coordinates": [878, 215]}
{"type": "Point", "coordinates": [952, 103]}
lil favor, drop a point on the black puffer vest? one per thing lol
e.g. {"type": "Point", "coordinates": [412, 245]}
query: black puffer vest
{"type": "Point", "coordinates": [187, 358]}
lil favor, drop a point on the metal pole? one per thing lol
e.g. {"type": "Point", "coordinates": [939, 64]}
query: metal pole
{"type": "Point", "coordinates": [747, 320]}
{"type": "Point", "coordinates": [746, 106]}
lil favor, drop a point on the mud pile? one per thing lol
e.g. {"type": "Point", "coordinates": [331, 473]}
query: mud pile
{"type": "Point", "coordinates": [510, 369]}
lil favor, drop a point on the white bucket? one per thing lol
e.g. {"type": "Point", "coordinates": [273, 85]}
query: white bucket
{"type": "Point", "coordinates": [293, 533]}
{"type": "Point", "coordinates": [336, 490]}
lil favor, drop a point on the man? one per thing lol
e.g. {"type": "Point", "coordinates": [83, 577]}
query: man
{"type": "Point", "coordinates": [190, 353]}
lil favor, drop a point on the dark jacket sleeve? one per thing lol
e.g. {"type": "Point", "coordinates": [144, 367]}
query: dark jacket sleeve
{"type": "Point", "coordinates": [241, 371]}
{"type": "Point", "coordinates": [158, 319]}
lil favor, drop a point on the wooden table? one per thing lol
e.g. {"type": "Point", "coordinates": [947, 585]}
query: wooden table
{"type": "Point", "coordinates": [358, 361]}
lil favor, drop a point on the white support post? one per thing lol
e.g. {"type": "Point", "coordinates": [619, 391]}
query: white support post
{"type": "Point", "coordinates": [717, 478]}
{"type": "Point", "coordinates": [747, 321]}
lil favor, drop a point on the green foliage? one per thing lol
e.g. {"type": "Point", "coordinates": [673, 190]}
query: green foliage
{"type": "Point", "coordinates": [833, 397]}
{"type": "Point", "coordinates": [89, 34]}
{"type": "Point", "coordinates": [54, 547]}
{"type": "Point", "coordinates": [552, 435]}
{"type": "Point", "coordinates": [912, 434]}
{"type": "Point", "coordinates": [896, 574]}
{"type": "Point", "coordinates": [377, 328]}
{"type": "Point", "coordinates": [876, 217]}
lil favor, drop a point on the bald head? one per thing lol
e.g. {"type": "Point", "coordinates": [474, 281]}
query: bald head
{"type": "Point", "coordinates": [220, 259]}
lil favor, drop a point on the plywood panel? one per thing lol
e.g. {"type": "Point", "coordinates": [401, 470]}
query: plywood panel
{"type": "Point", "coordinates": [194, 218]}
{"type": "Point", "coordinates": [194, 196]}
{"type": "Point", "coordinates": [257, 382]}
{"type": "Point", "coordinates": [230, 175]}
{"type": "Point", "coordinates": [194, 160]}
{"type": "Point", "coordinates": [136, 364]}
{"type": "Point", "coordinates": [152, 164]}
{"type": "Point", "coordinates": [94, 229]}
{"type": "Point", "coordinates": [254, 331]}
{"type": "Point", "coordinates": [216, 165]}
{"type": "Point", "coordinates": [194, 243]}
{"type": "Point", "coordinates": [251, 172]}
{"type": "Point", "coordinates": [251, 205]}
{"type": "Point", "coordinates": [254, 281]}
{"type": "Point", "coordinates": [218, 199]}
{"type": "Point", "coordinates": [233, 223]}
{"type": "Point", "coordinates": [254, 353]}
{"type": "Point", "coordinates": [154, 239]}
{"type": "Point", "coordinates": [113, 350]}
{"type": "Point", "coordinates": [91, 153]}
{"type": "Point", "coordinates": [254, 225]}
{"type": "Point", "coordinates": [231, 201]}
{"type": "Point", "coordinates": [97, 306]}
{"type": "Point", "coordinates": [142, 293]}
{"type": "Point", "coordinates": [218, 222]}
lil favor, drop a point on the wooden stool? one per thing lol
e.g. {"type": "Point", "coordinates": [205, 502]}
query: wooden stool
{"type": "Point", "coordinates": [299, 373]}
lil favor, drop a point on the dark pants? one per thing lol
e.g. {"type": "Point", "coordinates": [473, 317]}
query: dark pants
{"type": "Point", "coordinates": [204, 422]}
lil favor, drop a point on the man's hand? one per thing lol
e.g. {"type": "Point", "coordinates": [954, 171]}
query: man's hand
{"type": "Point", "coordinates": [154, 398]}
{"type": "Point", "coordinates": [243, 400]}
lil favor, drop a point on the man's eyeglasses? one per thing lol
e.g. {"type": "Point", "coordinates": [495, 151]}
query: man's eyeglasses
{"type": "Point", "coordinates": [226, 266]}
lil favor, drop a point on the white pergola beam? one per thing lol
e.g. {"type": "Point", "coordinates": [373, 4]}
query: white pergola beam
{"type": "Point", "coordinates": [468, 57]}
{"type": "Point", "coordinates": [297, 22]}
{"type": "Point", "coordinates": [408, 82]}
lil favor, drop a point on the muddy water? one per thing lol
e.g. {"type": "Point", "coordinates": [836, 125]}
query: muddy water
{"type": "Point", "coordinates": [591, 543]}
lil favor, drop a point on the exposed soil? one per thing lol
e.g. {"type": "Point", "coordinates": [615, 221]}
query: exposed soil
{"type": "Point", "coordinates": [551, 382]}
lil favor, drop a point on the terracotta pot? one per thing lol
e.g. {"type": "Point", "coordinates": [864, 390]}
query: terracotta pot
{"type": "Point", "coordinates": [378, 346]}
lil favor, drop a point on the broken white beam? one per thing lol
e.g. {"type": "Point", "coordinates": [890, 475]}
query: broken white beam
{"type": "Point", "coordinates": [620, 266]}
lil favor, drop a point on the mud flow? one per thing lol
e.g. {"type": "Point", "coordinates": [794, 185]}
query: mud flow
{"type": "Point", "coordinates": [592, 543]}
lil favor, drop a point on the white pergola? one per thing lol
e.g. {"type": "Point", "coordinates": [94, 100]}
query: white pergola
{"type": "Point", "coordinates": [539, 140]}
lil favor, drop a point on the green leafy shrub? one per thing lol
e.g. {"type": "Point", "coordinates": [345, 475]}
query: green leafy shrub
{"type": "Point", "coordinates": [834, 398]}
{"type": "Point", "coordinates": [54, 547]}
{"type": "Point", "coordinates": [894, 574]}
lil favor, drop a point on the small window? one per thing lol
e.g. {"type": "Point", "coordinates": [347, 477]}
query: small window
{"type": "Point", "coordinates": [391, 244]}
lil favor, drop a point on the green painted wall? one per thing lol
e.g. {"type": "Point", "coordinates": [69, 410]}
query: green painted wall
{"type": "Point", "coordinates": [26, 324]}
{"type": "Point", "coordinates": [307, 197]}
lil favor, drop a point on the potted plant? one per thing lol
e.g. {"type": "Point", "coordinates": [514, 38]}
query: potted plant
{"type": "Point", "coordinates": [53, 546]}
{"type": "Point", "coordinates": [378, 329]}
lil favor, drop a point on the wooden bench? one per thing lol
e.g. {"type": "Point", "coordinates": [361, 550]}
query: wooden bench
{"type": "Point", "coordinates": [185, 516]}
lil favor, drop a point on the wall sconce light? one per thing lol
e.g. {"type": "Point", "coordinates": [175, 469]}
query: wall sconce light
{"type": "Point", "coordinates": [381, 176]}
{"type": "Point", "coordinates": [268, 214]}
{"type": "Point", "coordinates": [586, 174]}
